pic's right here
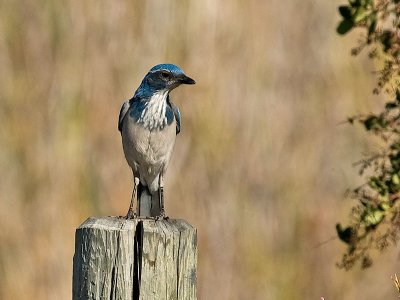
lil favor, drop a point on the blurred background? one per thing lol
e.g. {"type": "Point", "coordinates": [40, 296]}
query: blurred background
{"type": "Point", "coordinates": [261, 165]}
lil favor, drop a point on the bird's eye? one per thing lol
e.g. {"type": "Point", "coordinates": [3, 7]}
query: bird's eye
{"type": "Point", "coordinates": [165, 75]}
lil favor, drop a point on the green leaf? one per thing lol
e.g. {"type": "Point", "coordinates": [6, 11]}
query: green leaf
{"type": "Point", "coordinates": [345, 12]}
{"type": "Point", "coordinates": [391, 105]}
{"type": "Point", "coordinates": [378, 184]}
{"type": "Point", "coordinates": [345, 26]}
{"type": "Point", "coordinates": [395, 161]}
{"type": "Point", "coordinates": [360, 15]}
{"type": "Point", "coordinates": [395, 179]}
{"type": "Point", "coordinates": [383, 198]}
{"type": "Point", "coordinates": [355, 3]}
{"type": "Point", "coordinates": [347, 235]}
{"type": "Point", "coordinates": [371, 123]}
{"type": "Point", "coordinates": [373, 183]}
{"type": "Point", "coordinates": [398, 95]}
{"type": "Point", "coordinates": [382, 122]}
{"type": "Point", "coordinates": [386, 40]}
{"type": "Point", "coordinates": [373, 217]}
{"type": "Point", "coordinates": [372, 25]}
{"type": "Point", "coordinates": [384, 206]}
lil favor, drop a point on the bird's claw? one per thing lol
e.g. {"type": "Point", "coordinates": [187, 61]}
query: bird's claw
{"type": "Point", "coordinates": [130, 215]}
{"type": "Point", "coordinates": [161, 217]}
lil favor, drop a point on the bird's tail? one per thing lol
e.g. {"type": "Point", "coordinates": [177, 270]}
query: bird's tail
{"type": "Point", "coordinates": [149, 204]}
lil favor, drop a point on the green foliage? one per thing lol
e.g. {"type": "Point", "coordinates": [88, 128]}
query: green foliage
{"type": "Point", "coordinates": [375, 220]}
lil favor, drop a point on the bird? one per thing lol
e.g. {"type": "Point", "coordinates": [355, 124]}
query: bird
{"type": "Point", "coordinates": [149, 123]}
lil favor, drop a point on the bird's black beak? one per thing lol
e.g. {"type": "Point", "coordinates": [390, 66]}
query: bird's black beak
{"type": "Point", "coordinates": [186, 80]}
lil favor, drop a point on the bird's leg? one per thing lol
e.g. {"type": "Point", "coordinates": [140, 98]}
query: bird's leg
{"type": "Point", "coordinates": [161, 197]}
{"type": "Point", "coordinates": [131, 212]}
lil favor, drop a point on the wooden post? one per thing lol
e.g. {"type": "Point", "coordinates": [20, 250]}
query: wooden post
{"type": "Point", "coordinates": [135, 259]}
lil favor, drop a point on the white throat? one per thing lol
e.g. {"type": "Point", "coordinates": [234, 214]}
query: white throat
{"type": "Point", "coordinates": [153, 114]}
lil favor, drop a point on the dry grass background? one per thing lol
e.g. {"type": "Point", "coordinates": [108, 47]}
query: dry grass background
{"type": "Point", "coordinates": [261, 165]}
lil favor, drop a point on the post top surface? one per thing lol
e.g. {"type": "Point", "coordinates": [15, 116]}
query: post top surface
{"type": "Point", "coordinates": [120, 223]}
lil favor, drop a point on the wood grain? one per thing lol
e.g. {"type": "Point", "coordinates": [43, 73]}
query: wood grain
{"type": "Point", "coordinates": [135, 259]}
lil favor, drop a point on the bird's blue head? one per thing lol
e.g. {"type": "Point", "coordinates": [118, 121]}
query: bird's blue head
{"type": "Point", "coordinates": [163, 77]}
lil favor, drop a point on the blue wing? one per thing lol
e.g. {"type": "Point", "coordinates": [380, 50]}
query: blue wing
{"type": "Point", "coordinates": [177, 115]}
{"type": "Point", "coordinates": [122, 114]}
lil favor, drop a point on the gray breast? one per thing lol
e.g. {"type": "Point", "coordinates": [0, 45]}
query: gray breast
{"type": "Point", "coordinates": [148, 143]}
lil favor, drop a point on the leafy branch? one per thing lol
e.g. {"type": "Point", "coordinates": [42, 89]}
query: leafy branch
{"type": "Point", "coordinates": [375, 220]}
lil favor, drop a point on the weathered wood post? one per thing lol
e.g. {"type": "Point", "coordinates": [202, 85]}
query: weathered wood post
{"type": "Point", "coordinates": [135, 259]}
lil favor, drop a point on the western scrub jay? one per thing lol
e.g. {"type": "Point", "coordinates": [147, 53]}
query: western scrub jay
{"type": "Point", "coordinates": [149, 123]}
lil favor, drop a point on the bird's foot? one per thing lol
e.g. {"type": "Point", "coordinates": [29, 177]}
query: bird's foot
{"type": "Point", "coordinates": [162, 216]}
{"type": "Point", "coordinates": [130, 215]}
